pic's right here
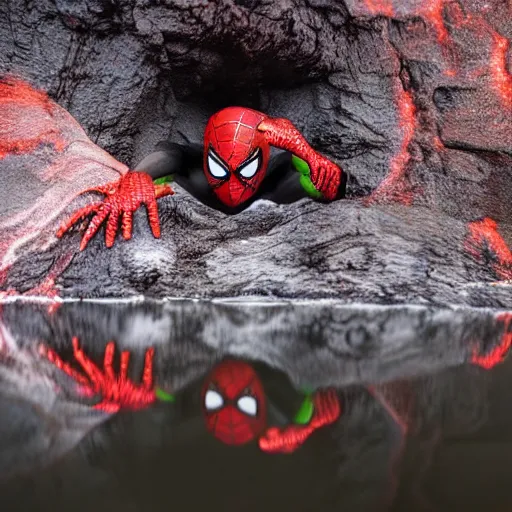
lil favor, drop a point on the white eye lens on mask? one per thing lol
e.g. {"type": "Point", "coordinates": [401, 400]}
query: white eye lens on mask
{"type": "Point", "coordinates": [248, 405]}
{"type": "Point", "coordinates": [251, 168]}
{"type": "Point", "coordinates": [213, 400]}
{"type": "Point", "coordinates": [216, 170]}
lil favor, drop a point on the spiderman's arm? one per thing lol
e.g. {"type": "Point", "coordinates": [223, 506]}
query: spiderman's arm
{"type": "Point", "coordinates": [317, 410]}
{"type": "Point", "coordinates": [144, 185]}
{"type": "Point", "coordinates": [324, 175]}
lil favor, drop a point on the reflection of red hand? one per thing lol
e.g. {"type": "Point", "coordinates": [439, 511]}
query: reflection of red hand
{"type": "Point", "coordinates": [124, 196]}
{"type": "Point", "coordinates": [287, 440]}
{"type": "Point", "coordinates": [116, 392]}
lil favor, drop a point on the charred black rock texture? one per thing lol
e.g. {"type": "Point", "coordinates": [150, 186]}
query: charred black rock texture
{"type": "Point", "coordinates": [413, 99]}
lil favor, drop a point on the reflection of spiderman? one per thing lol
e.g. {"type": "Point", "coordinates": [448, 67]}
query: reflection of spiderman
{"type": "Point", "coordinates": [234, 402]}
{"type": "Point", "coordinates": [235, 409]}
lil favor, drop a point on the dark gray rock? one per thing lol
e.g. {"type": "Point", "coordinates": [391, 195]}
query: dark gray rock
{"type": "Point", "coordinates": [375, 87]}
{"type": "Point", "coordinates": [344, 250]}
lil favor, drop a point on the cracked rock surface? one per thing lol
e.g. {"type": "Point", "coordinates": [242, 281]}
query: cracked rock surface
{"type": "Point", "coordinates": [382, 89]}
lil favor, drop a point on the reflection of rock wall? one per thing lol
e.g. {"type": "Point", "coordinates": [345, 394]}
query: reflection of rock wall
{"type": "Point", "coordinates": [362, 463]}
{"type": "Point", "coordinates": [457, 450]}
{"type": "Point", "coordinates": [38, 423]}
{"type": "Point", "coordinates": [315, 344]}
{"type": "Point", "coordinates": [380, 437]}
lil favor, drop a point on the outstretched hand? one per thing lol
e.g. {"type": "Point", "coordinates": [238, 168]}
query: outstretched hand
{"type": "Point", "coordinates": [117, 392]}
{"type": "Point", "coordinates": [124, 197]}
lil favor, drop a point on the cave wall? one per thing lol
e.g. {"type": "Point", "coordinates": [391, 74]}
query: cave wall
{"type": "Point", "coordinates": [376, 85]}
{"type": "Point", "coordinates": [413, 99]}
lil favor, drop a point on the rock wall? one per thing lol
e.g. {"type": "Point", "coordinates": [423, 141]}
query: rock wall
{"type": "Point", "coordinates": [413, 99]}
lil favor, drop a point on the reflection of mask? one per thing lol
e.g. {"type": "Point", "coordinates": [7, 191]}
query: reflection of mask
{"type": "Point", "coordinates": [234, 403]}
{"type": "Point", "coordinates": [236, 154]}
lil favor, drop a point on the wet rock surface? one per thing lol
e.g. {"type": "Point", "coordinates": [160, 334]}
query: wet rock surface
{"type": "Point", "coordinates": [406, 390]}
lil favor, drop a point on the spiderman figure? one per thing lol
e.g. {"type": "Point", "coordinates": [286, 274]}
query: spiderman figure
{"type": "Point", "coordinates": [234, 401]}
{"type": "Point", "coordinates": [228, 172]}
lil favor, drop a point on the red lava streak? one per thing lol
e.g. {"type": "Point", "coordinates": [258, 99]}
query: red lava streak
{"type": "Point", "coordinates": [69, 164]}
{"type": "Point", "coordinates": [501, 78]}
{"type": "Point", "coordinates": [433, 12]}
{"type": "Point", "coordinates": [38, 128]}
{"type": "Point", "coordinates": [484, 233]}
{"type": "Point", "coordinates": [380, 7]}
{"type": "Point", "coordinates": [407, 123]}
{"type": "Point", "coordinates": [391, 188]}
{"type": "Point", "coordinates": [498, 354]}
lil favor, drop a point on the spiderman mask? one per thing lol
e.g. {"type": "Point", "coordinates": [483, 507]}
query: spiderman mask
{"type": "Point", "coordinates": [234, 403]}
{"type": "Point", "coordinates": [236, 154]}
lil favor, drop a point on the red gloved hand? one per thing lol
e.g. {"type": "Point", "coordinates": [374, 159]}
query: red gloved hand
{"type": "Point", "coordinates": [325, 176]}
{"type": "Point", "coordinates": [124, 196]}
{"type": "Point", "coordinates": [288, 439]}
{"type": "Point", "coordinates": [116, 392]}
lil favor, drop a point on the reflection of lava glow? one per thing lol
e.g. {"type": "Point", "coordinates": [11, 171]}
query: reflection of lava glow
{"type": "Point", "coordinates": [485, 233]}
{"type": "Point", "coordinates": [498, 354]}
{"type": "Point", "coordinates": [502, 79]}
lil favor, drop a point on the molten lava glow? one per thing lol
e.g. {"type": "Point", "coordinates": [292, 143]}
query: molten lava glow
{"type": "Point", "coordinates": [432, 11]}
{"type": "Point", "coordinates": [485, 233]}
{"type": "Point", "coordinates": [16, 137]}
{"type": "Point", "coordinates": [501, 78]}
{"type": "Point", "coordinates": [380, 7]}
{"type": "Point", "coordinates": [407, 123]}
{"type": "Point", "coordinates": [28, 119]}
{"type": "Point", "coordinates": [392, 186]}
{"type": "Point", "coordinates": [496, 355]}
{"type": "Point", "coordinates": [500, 45]}
{"type": "Point", "coordinates": [438, 144]}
